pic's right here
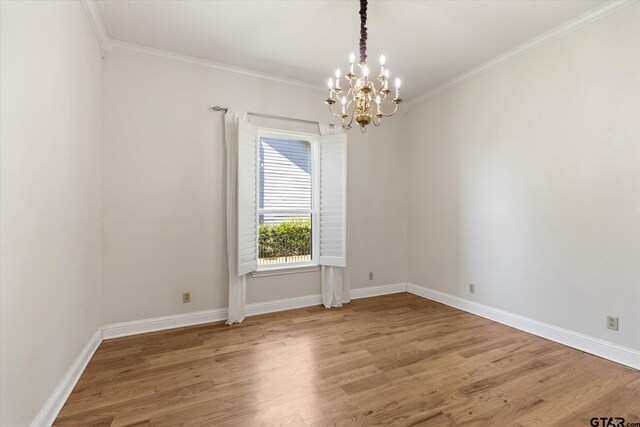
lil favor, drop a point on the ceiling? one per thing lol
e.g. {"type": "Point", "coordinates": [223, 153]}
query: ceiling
{"type": "Point", "coordinates": [426, 43]}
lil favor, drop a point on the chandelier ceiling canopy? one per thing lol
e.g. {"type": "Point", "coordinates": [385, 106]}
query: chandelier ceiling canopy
{"type": "Point", "coordinates": [365, 100]}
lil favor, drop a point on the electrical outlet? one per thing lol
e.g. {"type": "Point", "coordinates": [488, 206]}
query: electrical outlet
{"type": "Point", "coordinates": [186, 297]}
{"type": "Point", "coordinates": [472, 288]}
{"type": "Point", "coordinates": [371, 275]}
{"type": "Point", "coordinates": [612, 323]}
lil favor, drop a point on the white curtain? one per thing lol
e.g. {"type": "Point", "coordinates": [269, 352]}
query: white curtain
{"type": "Point", "coordinates": [335, 280]}
{"type": "Point", "coordinates": [237, 283]}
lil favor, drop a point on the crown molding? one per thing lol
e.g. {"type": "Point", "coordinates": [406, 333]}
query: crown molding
{"type": "Point", "coordinates": [108, 45]}
{"type": "Point", "coordinates": [147, 52]}
{"type": "Point", "coordinates": [560, 31]}
{"type": "Point", "coordinates": [91, 9]}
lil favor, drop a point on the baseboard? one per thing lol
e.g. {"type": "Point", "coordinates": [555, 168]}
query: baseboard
{"type": "Point", "coordinates": [55, 403]}
{"type": "Point", "coordinates": [595, 346]}
{"type": "Point", "coordinates": [311, 300]}
{"type": "Point", "coordinates": [51, 409]}
{"type": "Point", "coordinates": [207, 316]}
{"type": "Point", "coordinates": [373, 291]}
{"type": "Point", "coordinates": [282, 305]}
{"type": "Point", "coordinates": [154, 324]}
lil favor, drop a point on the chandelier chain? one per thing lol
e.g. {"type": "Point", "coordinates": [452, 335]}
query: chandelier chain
{"type": "Point", "coordinates": [363, 30]}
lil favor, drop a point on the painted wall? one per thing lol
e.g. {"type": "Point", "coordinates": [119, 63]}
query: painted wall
{"type": "Point", "coordinates": [164, 189]}
{"type": "Point", "coordinates": [526, 181]}
{"type": "Point", "coordinates": [51, 114]}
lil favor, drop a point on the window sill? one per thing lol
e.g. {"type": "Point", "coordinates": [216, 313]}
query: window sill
{"type": "Point", "coordinates": [276, 271]}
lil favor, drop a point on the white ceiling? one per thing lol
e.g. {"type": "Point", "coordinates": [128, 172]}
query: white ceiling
{"type": "Point", "coordinates": [426, 42]}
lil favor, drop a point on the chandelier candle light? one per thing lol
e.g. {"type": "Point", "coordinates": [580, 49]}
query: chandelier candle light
{"type": "Point", "coordinates": [364, 101]}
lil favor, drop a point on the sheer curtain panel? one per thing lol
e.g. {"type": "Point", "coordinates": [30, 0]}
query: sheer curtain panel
{"type": "Point", "coordinates": [237, 279]}
{"type": "Point", "coordinates": [333, 216]}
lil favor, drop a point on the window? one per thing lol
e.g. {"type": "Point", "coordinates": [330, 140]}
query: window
{"type": "Point", "coordinates": [291, 198]}
{"type": "Point", "coordinates": [285, 206]}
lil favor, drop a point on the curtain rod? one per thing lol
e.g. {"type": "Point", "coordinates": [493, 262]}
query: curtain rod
{"type": "Point", "coordinates": [268, 116]}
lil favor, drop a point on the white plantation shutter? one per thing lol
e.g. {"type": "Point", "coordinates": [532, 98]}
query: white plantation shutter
{"type": "Point", "coordinates": [333, 199]}
{"type": "Point", "coordinates": [247, 198]}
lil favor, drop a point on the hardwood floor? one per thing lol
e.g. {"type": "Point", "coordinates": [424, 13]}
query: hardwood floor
{"type": "Point", "coordinates": [391, 360]}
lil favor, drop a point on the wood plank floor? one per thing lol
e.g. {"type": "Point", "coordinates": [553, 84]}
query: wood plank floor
{"type": "Point", "coordinates": [392, 360]}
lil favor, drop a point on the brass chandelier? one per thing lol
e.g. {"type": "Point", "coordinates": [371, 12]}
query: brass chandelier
{"type": "Point", "coordinates": [364, 100]}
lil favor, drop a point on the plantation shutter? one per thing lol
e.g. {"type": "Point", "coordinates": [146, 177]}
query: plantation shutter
{"type": "Point", "coordinates": [247, 198]}
{"type": "Point", "coordinates": [333, 199]}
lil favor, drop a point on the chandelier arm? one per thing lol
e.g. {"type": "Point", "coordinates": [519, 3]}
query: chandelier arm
{"type": "Point", "coordinates": [350, 121]}
{"type": "Point", "coordinates": [336, 115]}
{"type": "Point", "coordinates": [395, 110]}
{"type": "Point", "coordinates": [376, 116]}
{"type": "Point", "coordinates": [346, 107]}
{"type": "Point", "coordinates": [380, 108]}
{"type": "Point", "coordinates": [383, 92]}
{"type": "Point", "coordinates": [351, 93]}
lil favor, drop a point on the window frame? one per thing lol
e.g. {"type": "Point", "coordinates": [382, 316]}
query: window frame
{"type": "Point", "coordinates": [313, 141]}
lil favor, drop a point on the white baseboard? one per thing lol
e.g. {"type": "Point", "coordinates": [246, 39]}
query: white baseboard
{"type": "Point", "coordinates": [282, 305]}
{"type": "Point", "coordinates": [605, 349]}
{"type": "Point", "coordinates": [207, 316]}
{"type": "Point", "coordinates": [51, 409]}
{"type": "Point", "coordinates": [154, 324]}
{"type": "Point", "coordinates": [373, 291]}
{"type": "Point", "coordinates": [608, 350]}
{"type": "Point", "coordinates": [53, 406]}
{"type": "Point", "coordinates": [311, 300]}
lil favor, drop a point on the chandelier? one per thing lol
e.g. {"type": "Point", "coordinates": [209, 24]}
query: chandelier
{"type": "Point", "coordinates": [364, 100]}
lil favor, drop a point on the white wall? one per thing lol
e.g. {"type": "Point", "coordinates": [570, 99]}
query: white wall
{"type": "Point", "coordinates": [526, 182]}
{"type": "Point", "coordinates": [51, 84]}
{"type": "Point", "coordinates": [164, 189]}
